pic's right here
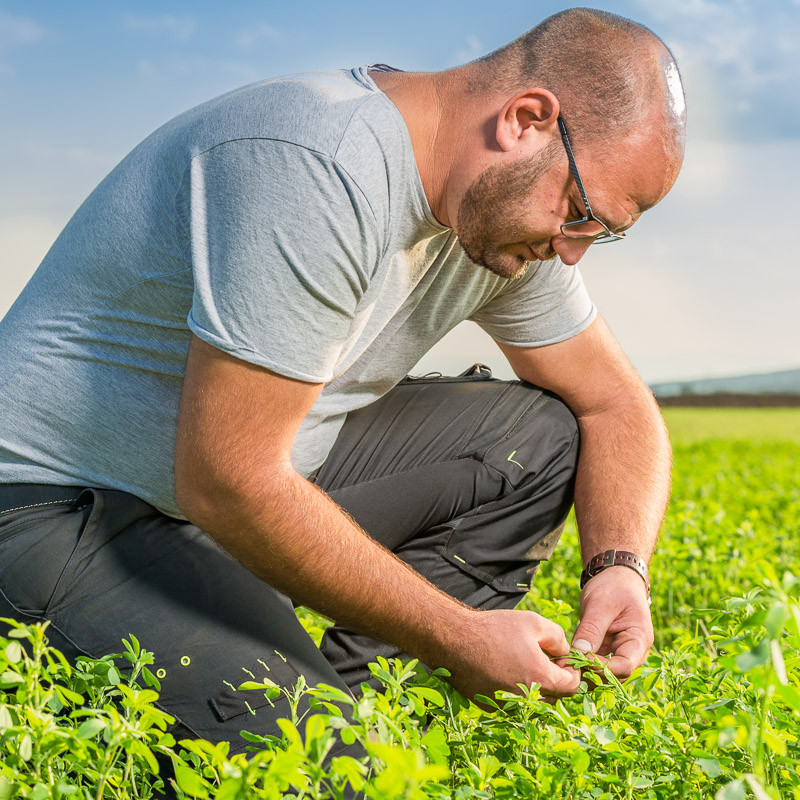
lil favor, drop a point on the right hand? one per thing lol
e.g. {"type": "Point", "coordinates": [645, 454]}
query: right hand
{"type": "Point", "coordinates": [506, 648]}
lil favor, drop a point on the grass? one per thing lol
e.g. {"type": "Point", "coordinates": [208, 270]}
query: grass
{"type": "Point", "coordinates": [714, 713]}
{"type": "Point", "coordinates": [753, 425]}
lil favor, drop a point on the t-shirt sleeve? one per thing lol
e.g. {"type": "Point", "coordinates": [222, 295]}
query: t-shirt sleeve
{"type": "Point", "coordinates": [547, 305]}
{"type": "Point", "coordinates": [283, 246]}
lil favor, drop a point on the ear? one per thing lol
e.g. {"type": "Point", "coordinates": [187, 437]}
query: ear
{"type": "Point", "coordinates": [534, 111]}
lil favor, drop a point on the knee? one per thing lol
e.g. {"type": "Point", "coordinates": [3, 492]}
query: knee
{"type": "Point", "coordinates": [563, 430]}
{"type": "Point", "coordinates": [541, 444]}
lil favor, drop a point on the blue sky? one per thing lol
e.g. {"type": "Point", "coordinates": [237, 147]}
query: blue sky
{"type": "Point", "coordinates": [706, 284]}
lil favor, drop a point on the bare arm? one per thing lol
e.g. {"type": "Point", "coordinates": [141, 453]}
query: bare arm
{"type": "Point", "coordinates": [622, 485]}
{"type": "Point", "coordinates": [234, 478]}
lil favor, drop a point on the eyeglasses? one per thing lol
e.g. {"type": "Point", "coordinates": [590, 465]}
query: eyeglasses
{"type": "Point", "coordinates": [588, 227]}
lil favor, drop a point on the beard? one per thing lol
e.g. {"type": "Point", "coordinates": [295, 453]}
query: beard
{"type": "Point", "coordinates": [490, 219]}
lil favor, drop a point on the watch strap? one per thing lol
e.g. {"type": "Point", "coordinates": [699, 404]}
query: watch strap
{"type": "Point", "coordinates": [616, 558]}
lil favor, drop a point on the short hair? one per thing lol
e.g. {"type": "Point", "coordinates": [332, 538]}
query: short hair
{"type": "Point", "coordinates": [605, 70]}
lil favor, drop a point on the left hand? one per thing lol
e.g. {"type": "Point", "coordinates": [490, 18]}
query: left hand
{"type": "Point", "coordinates": [615, 619]}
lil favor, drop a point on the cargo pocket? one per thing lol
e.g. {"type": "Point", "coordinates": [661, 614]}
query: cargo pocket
{"type": "Point", "coordinates": [233, 701]}
{"type": "Point", "coordinates": [502, 542]}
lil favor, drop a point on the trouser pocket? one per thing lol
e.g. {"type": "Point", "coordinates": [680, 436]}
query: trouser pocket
{"type": "Point", "coordinates": [502, 542]}
{"type": "Point", "coordinates": [36, 544]}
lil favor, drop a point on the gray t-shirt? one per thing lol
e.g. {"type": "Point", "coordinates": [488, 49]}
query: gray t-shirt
{"type": "Point", "coordinates": [284, 223]}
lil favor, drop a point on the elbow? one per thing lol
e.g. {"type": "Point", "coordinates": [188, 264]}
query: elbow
{"type": "Point", "coordinates": [216, 497]}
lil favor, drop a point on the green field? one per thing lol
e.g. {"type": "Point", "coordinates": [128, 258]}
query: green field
{"type": "Point", "coordinates": [714, 713]}
{"type": "Point", "coordinates": [755, 425]}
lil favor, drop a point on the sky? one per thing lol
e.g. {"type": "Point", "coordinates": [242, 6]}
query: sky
{"type": "Point", "coordinates": [706, 284]}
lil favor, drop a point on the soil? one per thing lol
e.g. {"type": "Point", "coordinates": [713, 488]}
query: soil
{"type": "Point", "coordinates": [731, 400]}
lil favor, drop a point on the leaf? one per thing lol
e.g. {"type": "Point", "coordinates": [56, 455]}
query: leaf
{"type": "Point", "coordinates": [435, 743]}
{"type": "Point", "coordinates": [731, 791]}
{"type": "Point", "coordinates": [6, 788]}
{"type": "Point", "coordinates": [790, 695]}
{"type": "Point", "coordinates": [13, 652]}
{"type": "Point", "coordinates": [315, 729]}
{"type": "Point", "coordinates": [90, 728]}
{"type": "Point", "coordinates": [26, 747]}
{"type": "Point", "coordinates": [112, 676]}
{"type": "Point", "coordinates": [775, 620]}
{"type": "Point", "coordinates": [603, 734]}
{"type": "Point", "coordinates": [718, 704]}
{"type": "Point", "coordinates": [775, 743]}
{"type": "Point", "coordinates": [5, 719]}
{"type": "Point", "coordinates": [139, 748]}
{"type": "Point", "coordinates": [753, 658]}
{"type": "Point", "coordinates": [431, 695]}
{"type": "Point", "coordinates": [290, 732]}
{"type": "Point", "coordinates": [151, 679]}
{"type": "Point", "coordinates": [67, 696]}
{"type": "Point", "coordinates": [190, 782]}
{"type": "Point", "coordinates": [349, 768]}
{"type": "Point", "coordinates": [580, 761]}
{"type": "Point", "coordinates": [270, 688]}
{"type": "Point", "coordinates": [9, 679]}
{"type": "Point", "coordinates": [326, 692]}
{"type": "Point", "coordinates": [710, 766]}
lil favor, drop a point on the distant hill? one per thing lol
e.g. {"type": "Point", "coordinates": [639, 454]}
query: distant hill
{"type": "Point", "coordinates": [786, 382]}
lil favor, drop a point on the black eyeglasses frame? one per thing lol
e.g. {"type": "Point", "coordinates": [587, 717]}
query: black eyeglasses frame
{"type": "Point", "coordinates": [568, 228]}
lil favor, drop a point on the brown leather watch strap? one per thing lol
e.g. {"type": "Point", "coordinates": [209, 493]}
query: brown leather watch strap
{"type": "Point", "coordinates": [616, 558]}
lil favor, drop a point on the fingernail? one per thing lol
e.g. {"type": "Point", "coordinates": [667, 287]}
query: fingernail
{"type": "Point", "coordinates": [582, 645]}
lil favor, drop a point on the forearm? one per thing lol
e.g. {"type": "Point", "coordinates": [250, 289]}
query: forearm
{"type": "Point", "coordinates": [623, 479]}
{"type": "Point", "coordinates": [294, 537]}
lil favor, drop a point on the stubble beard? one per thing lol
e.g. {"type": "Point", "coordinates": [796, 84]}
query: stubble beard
{"type": "Point", "coordinates": [489, 217]}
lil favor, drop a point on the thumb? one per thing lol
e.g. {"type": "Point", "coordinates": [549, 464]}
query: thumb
{"type": "Point", "coordinates": [591, 631]}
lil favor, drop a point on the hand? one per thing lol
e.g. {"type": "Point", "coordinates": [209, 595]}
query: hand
{"type": "Point", "coordinates": [502, 649]}
{"type": "Point", "coordinates": [615, 618]}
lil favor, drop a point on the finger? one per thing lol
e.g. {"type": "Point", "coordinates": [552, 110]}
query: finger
{"type": "Point", "coordinates": [558, 681]}
{"type": "Point", "coordinates": [627, 657]}
{"type": "Point", "coordinates": [591, 631]}
{"type": "Point", "coordinates": [552, 638]}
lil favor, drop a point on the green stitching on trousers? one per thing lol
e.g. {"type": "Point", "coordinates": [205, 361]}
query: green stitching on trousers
{"type": "Point", "coordinates": [511, 459]}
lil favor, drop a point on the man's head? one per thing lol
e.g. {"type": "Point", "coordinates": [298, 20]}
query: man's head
{"type": "Point", "coordinates": [617, 88]}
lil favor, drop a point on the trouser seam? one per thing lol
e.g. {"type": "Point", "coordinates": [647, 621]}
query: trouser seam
{"type": "Point", "coordinates": [38, 505]}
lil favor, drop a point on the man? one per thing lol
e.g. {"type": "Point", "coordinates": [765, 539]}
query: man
{"type": "Point", "coordinates": [203, 405]}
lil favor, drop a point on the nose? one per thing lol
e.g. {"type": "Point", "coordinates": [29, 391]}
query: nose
{"type": "Point", "coordinates": [570, 251]}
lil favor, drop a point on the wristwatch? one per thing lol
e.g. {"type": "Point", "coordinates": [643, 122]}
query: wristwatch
{"type": "Point", "coordinates": [616, 558]}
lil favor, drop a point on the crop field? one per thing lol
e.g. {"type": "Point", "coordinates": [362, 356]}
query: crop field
{"type": "Point", "coordinates": [714, 712]}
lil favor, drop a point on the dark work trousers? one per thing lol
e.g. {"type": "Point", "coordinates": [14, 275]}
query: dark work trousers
{"type": "Point", "coordinates": [467, 479]}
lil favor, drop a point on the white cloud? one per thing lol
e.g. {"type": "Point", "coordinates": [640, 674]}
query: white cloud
{"type": "Point", "coordinates": [18, 30]}
{"type": "Point", "coordinates": [473, 48]}
{"type": "Point", "coordinates": [180, 29]}
{"type": "Point", "coordinates": [737, 57]}
{"type": "Point", "coordinates": [258, 33]}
